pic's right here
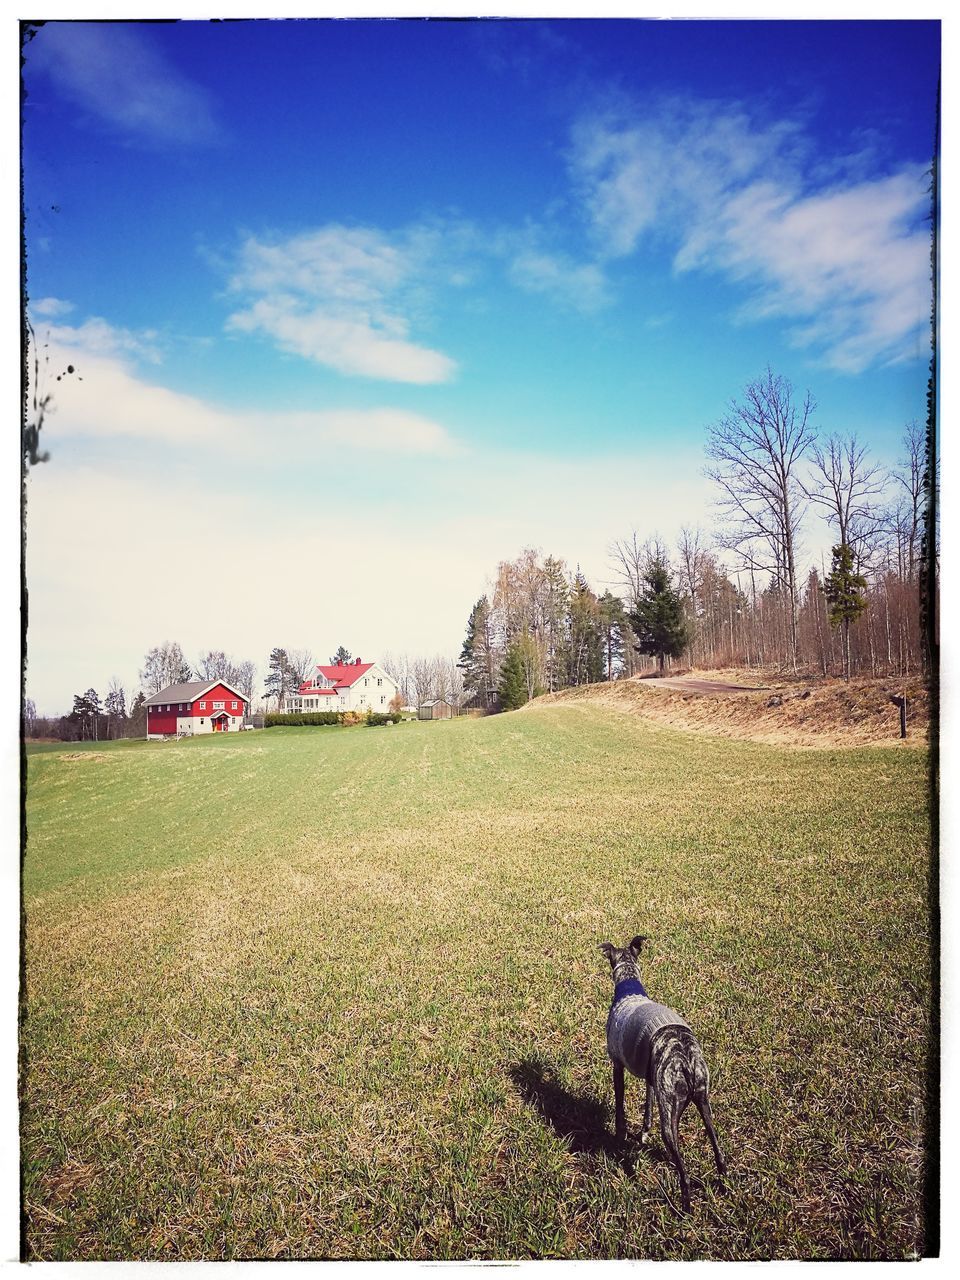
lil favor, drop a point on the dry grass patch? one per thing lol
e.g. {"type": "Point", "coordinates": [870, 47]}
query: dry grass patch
{"type": "Point", "coordinates": [784, 711]}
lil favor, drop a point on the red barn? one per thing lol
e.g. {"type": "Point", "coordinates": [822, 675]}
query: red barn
{"type": "Point", "coordinates": [200, 706]}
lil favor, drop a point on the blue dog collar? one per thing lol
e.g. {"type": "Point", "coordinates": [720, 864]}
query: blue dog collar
{"type": "Point", "coordinates": [629, 987]}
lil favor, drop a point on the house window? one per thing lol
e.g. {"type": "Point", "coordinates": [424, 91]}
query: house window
{"type": "Point", "coordinates": [201, 719]}
{"type": "Point", "coordinates": [364, 681]}
{"type": "Point", "coordinates": [233, 706]}
{"type": "Point", "coordinates": [383, 698]}
{"type": "Point", "coordinates": [218, 706]}
{"type": "Point", "coordinates": [203, 707]}
{"type": "Point", "coordinates": [379, 682]}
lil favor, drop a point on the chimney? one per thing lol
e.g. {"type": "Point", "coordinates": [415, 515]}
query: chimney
{"type": "Point", "coordinates": [358, 662]}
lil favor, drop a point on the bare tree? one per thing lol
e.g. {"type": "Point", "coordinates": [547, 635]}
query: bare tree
{"type": "Point", "coordinates": [397, 667]}
{"type": "Point", "coordinates": [846, 486]}
{"type": "Point", "coordinates": [631, 560]}
{"type": "Point", "coordinates": [755, 450]}
{"type": "Point", "coordinates": [301, 663]}
{"type": "Point", "coordinates": [244, 676]}
{"type": "Point", "coordinates": [454, 683]}
{"type": "Point", "coordinates": [164, 665]}
{"type": "Point", "coordinates": [115, 707]}
{"type": "Point", "coordinates": [422, 675]}
{"type": "Point", "coordinates": [908, 514]}
{"type": "Point", "coordinates": [692, 561]}
{"type": "Point", "coordinates": [213, 665]}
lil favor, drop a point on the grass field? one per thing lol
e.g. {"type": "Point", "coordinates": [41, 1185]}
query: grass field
{"type": "Point", "coordinates": [336, 993]}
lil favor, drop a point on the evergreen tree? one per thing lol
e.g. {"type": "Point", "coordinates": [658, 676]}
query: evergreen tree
{"type": "Point", "coordinates": [657, 618]}
{"type": "Point", "coordinates": [846, 595]}
{"type": "Point", "coordinates": [477, 656]}
{"type": "Point", "coordinates": [281, 678]}
{"type": "Point", "coordinates": [137, 724]}
{"type": "Point", "coordinates": [83, 717]}
{"type": "Point", "coordinates": [585, 658]}
{"type": "Point", "coordinates": [341, 658]}
{"type": "Point", "coordinates": [613, 629]}
{"type": "Point", "coordinates": [554, 632]}
{"type": "Point", "coordinates": [513, 682]}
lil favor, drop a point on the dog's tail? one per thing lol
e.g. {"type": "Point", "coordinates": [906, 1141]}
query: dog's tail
{"type": "Point", "coordinates": [697, 1076]}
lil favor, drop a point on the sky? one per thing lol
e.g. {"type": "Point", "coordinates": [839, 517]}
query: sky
{"type": "Point", "coordinates": [358, 309]}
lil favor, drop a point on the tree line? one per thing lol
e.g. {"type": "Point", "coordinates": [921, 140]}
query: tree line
{"type": "Point", "coordinates": [740, 595]}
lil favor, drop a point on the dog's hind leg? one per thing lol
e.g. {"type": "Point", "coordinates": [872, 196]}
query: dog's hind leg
{"type": "Point", "coordinates": [620, 1113]}
{"type": "Point", "coordinates": [647, 1112]}
{"type": "Point", "coordinates": [706, 1115]}
{"type": "Point", "coordinates": [670, 1112]}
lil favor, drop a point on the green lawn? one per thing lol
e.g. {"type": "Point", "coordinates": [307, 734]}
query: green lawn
{"type": "Point", "coordinates": [336, 993]}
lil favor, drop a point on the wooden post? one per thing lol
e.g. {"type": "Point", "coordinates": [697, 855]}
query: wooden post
{"type": "Point", "coordinates": [900, 700]}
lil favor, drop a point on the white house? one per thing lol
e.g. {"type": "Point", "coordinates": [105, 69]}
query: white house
{"type": "Point", "coordinates": [353, 686]}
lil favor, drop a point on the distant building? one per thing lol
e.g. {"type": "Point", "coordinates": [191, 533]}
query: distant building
{"type": "Point", "coordinates": [438, 709]}
{"type": "Point", "coordinates": [200, 706]}
{"type": "Point", "coordinates": [351, 686]}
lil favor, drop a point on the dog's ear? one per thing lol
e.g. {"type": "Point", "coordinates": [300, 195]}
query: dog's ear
{"type": "Point", "coordinates": [636, 946]}
{"type": "Point", "coordinates": [609, 950]}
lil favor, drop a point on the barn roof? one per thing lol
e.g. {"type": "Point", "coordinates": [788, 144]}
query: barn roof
{"type": "Point", "coordinates": [189, 692]}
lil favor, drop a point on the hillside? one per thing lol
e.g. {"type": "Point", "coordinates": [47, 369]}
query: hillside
{"type": "Point", "coordinates": [788, 711]}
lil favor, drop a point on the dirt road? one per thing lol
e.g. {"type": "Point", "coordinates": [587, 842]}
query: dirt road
{"type": "Point", "coordinates": [702, 686]}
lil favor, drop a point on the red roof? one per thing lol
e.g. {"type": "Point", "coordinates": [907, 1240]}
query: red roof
{"type": "Point", "coordinates": [344, 676]}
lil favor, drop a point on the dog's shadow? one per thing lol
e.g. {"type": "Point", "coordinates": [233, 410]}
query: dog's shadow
{"type": "Point", "coordinates": [583, 1121]}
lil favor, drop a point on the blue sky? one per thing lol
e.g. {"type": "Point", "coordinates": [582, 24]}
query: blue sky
{"type": "Point", "coordinates": [362, 307]}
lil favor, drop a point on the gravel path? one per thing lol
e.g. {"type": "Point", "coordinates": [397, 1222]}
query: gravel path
{"type": "Point", "coordinates": [703, 686]}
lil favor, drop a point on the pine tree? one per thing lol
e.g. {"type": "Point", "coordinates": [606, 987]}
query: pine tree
{"type": "Point", "coordinates": [613, 628]}
{"type": "Point", "coordinates": [554, 633]}
{"type": "Point", "coordinates": [846, 595]}
{"type": "Point", "coordinates": [281, 678]}
{"type": "Point", "coordinates": [585, 658]}
{"type": "Point", "coordinates": [137, 724]}
{"type": "Point", "coordinates": [513, 683]}
{"type": "Point", "coordinates": [477, 657]}
{"type": "Point", "coordinates": [341, 658]}
{"type": "Point", "coordinates": [657, 619]}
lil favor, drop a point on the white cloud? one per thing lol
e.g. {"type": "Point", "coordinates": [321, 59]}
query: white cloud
{"type": "Point", "coordinates": [113, 71]}
{"type": "Point", "coordinates": [581, 285]}
{"type": "Point", "coordinates": [109, 400]}
{"type": "Point", "coordinates": [847, 262]}
{"type": "Point", "coordinates": [97, 336]}
{"type": "Point", "coordinates": [50, 308]}
{"type": "Point", "coordinates": [341, 296]}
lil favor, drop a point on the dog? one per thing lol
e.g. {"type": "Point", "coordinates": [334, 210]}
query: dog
{"type": "Point", "coordinates": [655, 1044]}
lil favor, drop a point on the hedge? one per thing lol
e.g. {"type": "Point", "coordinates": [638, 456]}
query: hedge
{"type": "Point", "coordinates": [299, 719]}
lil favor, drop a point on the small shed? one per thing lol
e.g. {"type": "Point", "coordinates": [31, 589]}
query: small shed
{"type": "Point", "coordinates": [438, 709]}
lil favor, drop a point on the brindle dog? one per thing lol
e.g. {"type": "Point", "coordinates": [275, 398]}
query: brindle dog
{"type": "Point", "coordinates": [655, 1044]}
